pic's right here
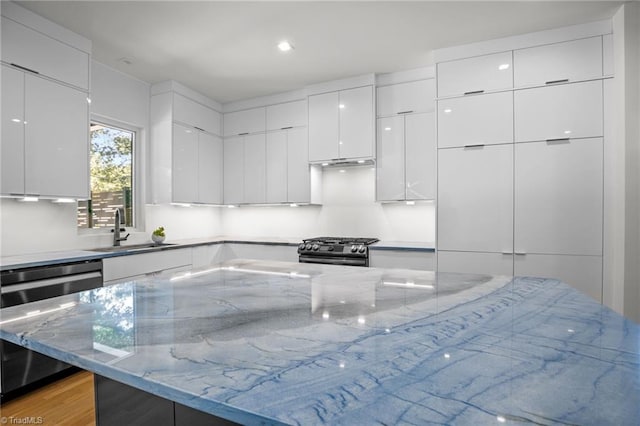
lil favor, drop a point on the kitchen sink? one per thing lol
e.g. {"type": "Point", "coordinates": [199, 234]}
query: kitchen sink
{"type": "Point", "coordinates": [133, 247]}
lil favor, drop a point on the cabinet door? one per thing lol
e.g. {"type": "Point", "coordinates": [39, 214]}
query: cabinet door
{"type": "Point", "coordinates": [483, 119]}
{"type": "Point", "coordinates": [210, 169]}
{"type": "Point", "coordinates": [234, 170]}
{"type": "Point", "coordinates": [475, 262]}
{"type": "Point", "coordinates": [56, 139]}
{"type": "Point", "coordinates": [255, 169]}
{"type": "Point", "coordinates": [185, 164]}
{"type": "Point", "coordinates": [475, 199]}
{"type": "Point", "coordinates": [196, 115]}
{"type": "Point", "coordinates": [12, 155]}
{"type": "Point", "coordinates": [277, 167]}
{"type": "Point", "coordinates": [356, 123]}
{"type": "Point", "coordinates": [415, 96]}
{"type": "Point", "coordinates": [288, 114]}
{"type": "Point", "coordinates": [583, 273]}
{"type": "Point", "coordinates": [568, 61]}
{"type": "Point", "coordinates": [563, 111]}
{"type": "Point", "coordinates": [298, 175]}
{"type": "Point", "coordinates": [558, 202]}
{"type": "Point", "coordinates": [390, 164]}
{"type": "Point", "coordinates": [482, 73]}
{"type": "Point", "coordinates": [242, 122]}
{"type": "Point", "coordinates": [324, 118]}
{"type": "Point", "coordinates": [420, 156]}
{"type": "Point", "coordinates": [33, 50]}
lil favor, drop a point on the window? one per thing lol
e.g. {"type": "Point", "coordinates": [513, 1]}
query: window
{"type": "Point", "coordinates": [111, 176]}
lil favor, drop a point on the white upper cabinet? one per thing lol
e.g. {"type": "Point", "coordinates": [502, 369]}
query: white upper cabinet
{"type": "Point", "coordinates": [298, 175]}
{"type": "Point", "coordinates": [390, 164]}
{"type": "Point", "coordinates": [245, 122]}
{"type": "Point", "coordinates": [255, 169]}
{"type": "Point", "coordinates": [475, 75]}
{"type": "Point", "coordinates": [39, 53]}
{"type": "Point", "coordinates": [185, 164]}
{"type": "Point", "coordinates": [286, 115]}
{"type": "Point", "coordinates": [559, 112]}
{"type": "Point", "coordinates": [195, 114]}
{"type": "Point", "coordinates": [56, 139]}
{"type": "Point", "coordinates": [210, 168]}
{"type": "Point", "coordinates": [234, 170]}
{"type": "Point", "coordinates": [420, 156]}
{"type": "Point", "coordinates": [558, 63]}
{"type": "Point", "coordinates": [356, 123]}
{"type": "Point", "coordinates": [12, 155]}
{"type": "Point", "coordinates": [406, 98]}
{"type": "Point", "coordinates": [324, 126]}
{"type": "Point", "coordinates": [276, 167]}
{"type": "Point", "coordinates": [558, 197]}
{"type": "Point", "coordinates": [341, 125]}
{"type": "Point", "coordinates": [475, 199]}
{"type": "Point", "coordinates": [475, 120]}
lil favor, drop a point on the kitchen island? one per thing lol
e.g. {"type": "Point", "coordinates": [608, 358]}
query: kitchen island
{"type": "Point", "coordinates": [263, 342]}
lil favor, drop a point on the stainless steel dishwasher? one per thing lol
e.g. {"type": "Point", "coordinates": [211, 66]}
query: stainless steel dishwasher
{"type": "Point", "coordinates": [20, 368]}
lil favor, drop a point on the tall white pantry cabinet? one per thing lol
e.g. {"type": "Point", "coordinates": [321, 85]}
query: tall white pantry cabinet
{"type": "Point", "coordinates": [520, 160]}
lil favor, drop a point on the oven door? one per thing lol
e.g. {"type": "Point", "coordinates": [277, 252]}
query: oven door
{"type": "Point", "coordinates": [334, 260]}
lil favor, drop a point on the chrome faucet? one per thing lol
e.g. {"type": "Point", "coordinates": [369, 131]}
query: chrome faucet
{"type": "Point", "coordinates": [116, 230]}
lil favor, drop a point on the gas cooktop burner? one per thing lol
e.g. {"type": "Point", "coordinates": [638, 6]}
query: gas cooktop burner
{"type": "Point", "coordinates": [341, 240]}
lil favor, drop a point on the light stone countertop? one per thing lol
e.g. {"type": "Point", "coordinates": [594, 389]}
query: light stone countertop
{"type": "Point", "coordinates": [263, 342]}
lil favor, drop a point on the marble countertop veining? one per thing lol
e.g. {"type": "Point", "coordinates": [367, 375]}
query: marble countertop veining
{"type": "Point", "coordinates": [286, 343]}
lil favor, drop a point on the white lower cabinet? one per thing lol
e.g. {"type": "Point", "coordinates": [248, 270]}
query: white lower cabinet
{"type": "Point", "coordinates": [406, 157]}
{"type": "Point", "coordinates": [475, 262]}
{"type": "Point", "coordinates": [559, 197]}
{"type": "Point", "coordinates": [206, 255]}
{"type": "Point", "coordinates": [418, 260]}
{"type": "Point", "coordinates": [475, 199]}
{"type": "Point", "coordinates": [116, 269]}
{"type": "Point", "coordinates": [581, 272]}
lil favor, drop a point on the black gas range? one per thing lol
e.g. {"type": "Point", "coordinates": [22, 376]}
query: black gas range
{"type": "Point", "coordinates": [336, 250]}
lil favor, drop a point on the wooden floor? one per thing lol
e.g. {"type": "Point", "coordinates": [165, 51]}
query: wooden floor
{"type": "Point", "coordinates": [68, 401]}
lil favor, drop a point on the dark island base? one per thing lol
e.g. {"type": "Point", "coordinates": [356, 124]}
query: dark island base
{"type": "Point", "coordinates": [118, 404]}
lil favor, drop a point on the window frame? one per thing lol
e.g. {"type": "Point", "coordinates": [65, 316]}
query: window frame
{"type": "Point", "coordinates": [137, 167]}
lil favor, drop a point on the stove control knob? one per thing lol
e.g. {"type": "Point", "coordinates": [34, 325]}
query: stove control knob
{"type": "Point", "coordinates": [301, 246]}
{"type": "Point", "coordinates": [362, 249]}
{"type": "Point", "coordinates": [316, 247]}
{"type": "Point", "coordinates": [330, 248]}
{"type": "Point", "coordinates": [308, 247]}
{"type": "Point", "coordinates": [354, 249]}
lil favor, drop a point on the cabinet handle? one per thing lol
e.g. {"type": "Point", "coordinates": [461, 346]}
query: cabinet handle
{"type": "Point", "coordinates": [520, 253]}
{"type": "Point", "coordinates": [477, 145]}
{"type": "Point", "coordinates": [405, 112]}
{"type": "Point", "coordinates": [475, 92]}
{"type": "Point", "coordinates": [285, 128]}
{"type": "Point", "coordinates": [565, 80]}
{"type": "Point", "coordinates": [198, 128]}
{"type": "Point", "coordinates": [558, 140]}
{"type": "Point", "coordinates": [507, 253]}
{"type": "Point", "coordinates": [242, 134]}
{"type": "Point", "coordinates": [25, 68]}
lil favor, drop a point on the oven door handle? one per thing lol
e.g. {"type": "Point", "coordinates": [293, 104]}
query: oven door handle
{"type": "Point", "coordinates": [14, 288]}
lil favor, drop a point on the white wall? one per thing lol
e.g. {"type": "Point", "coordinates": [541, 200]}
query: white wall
{"type": "Point", "coordinates": [348, 209]}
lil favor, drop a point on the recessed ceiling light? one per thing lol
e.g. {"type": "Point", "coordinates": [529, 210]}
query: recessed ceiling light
{"type": "Point", "coordinates": [285, 46]}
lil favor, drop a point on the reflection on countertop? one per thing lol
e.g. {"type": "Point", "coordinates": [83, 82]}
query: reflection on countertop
{"type": "Point", "coordinates": [325, 344]}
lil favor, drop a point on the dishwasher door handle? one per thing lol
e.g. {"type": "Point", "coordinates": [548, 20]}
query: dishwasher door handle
{"type": "Point", "coordinates": [30, 285]}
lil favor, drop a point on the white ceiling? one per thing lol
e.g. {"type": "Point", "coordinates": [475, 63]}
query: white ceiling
{"type": "Point", "coordinates": [227, 50]}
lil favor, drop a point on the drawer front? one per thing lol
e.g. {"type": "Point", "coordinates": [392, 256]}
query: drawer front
{"type": "Point", "coordinates": [475, 262]}
{"type": "Point", "coordinates": [482, 73]}
{"type": "Point", "coordinates": [483, 119]}
{"type": "Point", "coordinates": [116, 268]}
{"type": "Point", "coordinates": [556, 112]}
{"type": "Point", "coordinates": [35, 51]}
{"type": "Point", "coordinates": [568, 61]}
